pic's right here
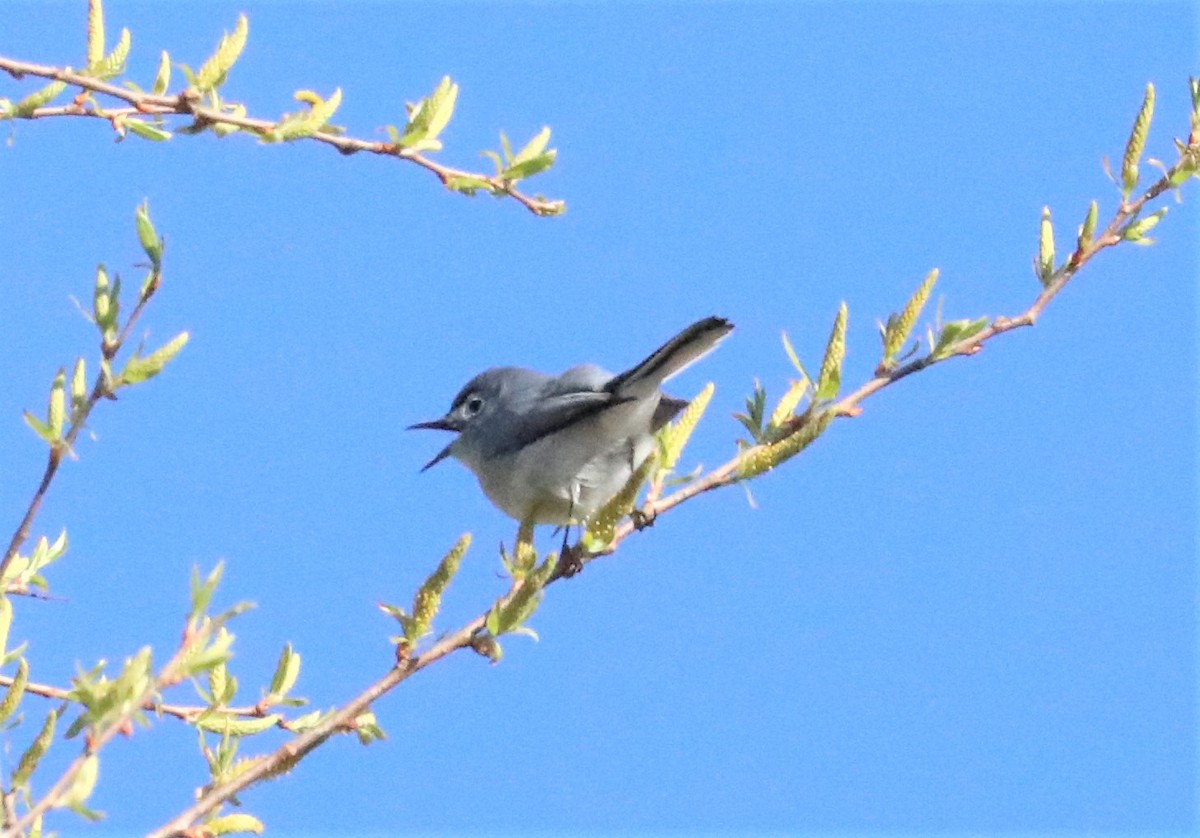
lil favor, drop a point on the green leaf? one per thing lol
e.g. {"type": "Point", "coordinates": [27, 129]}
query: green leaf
{"type": "Point", "coordinates": [307, 722]}
{"type": "Point", "coordinates": [162, 80]}
{"type": "Point", "coordinates": [215, 70]}
{"type": "Point", "coordinates": [955, 332]}
{"type": "Point", "coordinates": [39, 98]}
{"type": "Point", "coordinates": [238, 822]}
{"type": "Point", "coordinates": [1087, 230]}
{"type": "Point", "coordinates": [1136, 144]}
{"type": "Point", "coordinates": [1136, 231]}
{"type": "Point", "coordinates": [829, 380]}
{"type": "Point", "coordinates": [147, 236]}
{"type": "Point", "coordinates": [793, 357]}
{"type": "Point", "coordinates": [785, 410]}
{"type": "Point", "coordinates": [428, 117]}
{"type": "Point", "coordinates": [36, 750]}
{"type": "Point", "coordinates": [367, 728]}
{"type": "Point", "coordinates": [1044, 267]}
{"type": "Point", "coordinates": [83, 784]}
{"type": "Point", "coordinates": [899, 326]}
{"type": "Point", "coordinates": [106, 304]}
{"type": "Point", "coordinates": [469, 184]}
{"type": "Point", "coordinates": [763, 458]}
{"type": "Point", "coordinates": [495, 158]}
{"type": "Point", "coordinates": [295, 126]}
{"type": "Point", "coordinates": [147, 131]}
{"type": "Point", "coordinates": [756, 408]}
{"type": "Point", "coordinates": [112, 64]}
{"type": "Point", "coordinates": [224, 129]}
{"type": "Point", "coordinates": [677, 434]}
{"type": "Point", "coordinates": [16, 690]}
{"type": "Point", "coordinates": [218, 682]}
{"type": "Point", "coordinates": [287, 670]}
{"type": "Point", "coordinates": [441, 107]}
{"type": "Point", "coordinates": [603, 523]}
{"type": "Point", "coordinates": [202, 592]}
{"type": "Point", "coordinates": [534, 147]}
{"type": "Point", "coordinates": [6, 614]}
{"type": "Point", "coordinates": [526, 168]}
{"type": "Point", "coordinates": [428, 598]}
{"type": "Point", "coordinates": [138, 369]}
{"type": "Point", "coordinates": [40, 428]}
{"type": "Point", "coordinates": [95, 32]}
{"type": "Point", "coordinates": [238, 726]}
{"type": "Point", "coordinates": [57, 412]}
{"type": "Point", "coordinates": [79, 391]}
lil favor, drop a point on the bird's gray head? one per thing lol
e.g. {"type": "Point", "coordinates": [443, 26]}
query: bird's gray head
{"type": "Point", "coordinates": [483, 409]}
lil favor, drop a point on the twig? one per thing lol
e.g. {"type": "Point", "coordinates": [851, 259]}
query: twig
{"type": "Point", "coordinates": [341, 721]}
{"type": "Point", "coordinates": [100, 389]}
{"type": "Point", "coordinates": [186, 103]}
{"type": "Point", "coordinates": [99, 736]}
{"type": "Point", "coordinates": [850, 405]}
{"type": "Point", "coordinates": [186, 713]}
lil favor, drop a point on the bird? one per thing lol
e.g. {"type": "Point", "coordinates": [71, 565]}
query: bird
{"type": "Point", "coordinates": [553, 449]}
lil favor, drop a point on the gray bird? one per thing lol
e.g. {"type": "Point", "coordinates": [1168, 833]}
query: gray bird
{"type": "Point", "coordinates": [554, 449]}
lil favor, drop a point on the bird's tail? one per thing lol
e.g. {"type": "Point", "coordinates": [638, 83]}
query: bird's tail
{"type": "Point", "coordinates": [674, 356]}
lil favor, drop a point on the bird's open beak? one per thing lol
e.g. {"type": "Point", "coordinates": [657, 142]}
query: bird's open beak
{"type": "Point", "coordinates": [443, 424]}
{"type": "Point", "coordinates": [446, 423]}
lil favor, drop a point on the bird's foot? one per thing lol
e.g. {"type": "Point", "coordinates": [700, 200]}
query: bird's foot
{"type": "Point", "coordinates": [641, 519]}
{"type": "Point", "coordinates": [570, 561]}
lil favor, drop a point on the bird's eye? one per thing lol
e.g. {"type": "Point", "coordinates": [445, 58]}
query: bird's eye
{"type": "Point", "coordinates": [472, 405]}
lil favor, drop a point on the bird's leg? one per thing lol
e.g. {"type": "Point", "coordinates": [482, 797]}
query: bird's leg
{"type": "Point", "coordinates": [525, 557]}
{"type": "Point", "coordinates": [569, 562]}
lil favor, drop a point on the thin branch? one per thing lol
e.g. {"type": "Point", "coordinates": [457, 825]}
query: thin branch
{"type": "Point", "coordinates": [340, 721]}
{"type": "Point", "coordinates": [100, 390]}
{"type": "Point", "coordinates": [101, 735]}
{"type": "Point", "coordinates": [187, 103]}
{"type": "Point", "coordinates": [850, 406]}
{"type": "Point", "coordinates": [183, 712]}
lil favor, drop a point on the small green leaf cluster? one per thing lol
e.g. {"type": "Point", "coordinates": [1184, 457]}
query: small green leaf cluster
{"type": "Point", "coordinates": [942, 339]}
{"type": "Point", "coordinates": [900, 326]}
{"type": "Point", "coordinates": [426, 120]}
{"type": "Point", "coordinates": [603, 525]}
{"type": "Point", "coordinates": [670, 442]}
{"type": "Point", "coordinates": [509, 614]}
{"type": "Point", "coordinates": [205, 85]}
{"type": "Point", "coordinates": [427, 600]}
{"type": "Point", "coordinates": [530, 160]}
{"type": "Point", "coordinates": [16, 690]}
{"type": "Point", "coordinates": [39, 98]}
{"type": "Point", "coordinates": [784, 433]}
{"type": "Point", "coordinates": [65, 419]}
{"type": "Point", "coordinates": [100, 66]}
{"type": "Point", "coordinates": [315, 118]}
{"type": "Point", "coordinates": [144, 113]}
{"type": "Point", "coordinates": [25, 572]}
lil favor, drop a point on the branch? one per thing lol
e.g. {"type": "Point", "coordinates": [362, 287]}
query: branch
{"type": "Point", "coordinates": [101, 389]}
{"type": "Point", "coordinates": [103, 732]}
{"type": "Point", "coordinates": [183, 712]}
{"type": "Point", "coordinates": [803, 429]}
{"type": "Point", "coordinates": [850, 405]}
{"type": "Point", "coordinates": [340, 721]}
{"type": "Point", "coordinates": [187, 102]}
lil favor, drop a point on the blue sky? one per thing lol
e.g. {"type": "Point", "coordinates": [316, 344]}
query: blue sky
{"type": "Point", "coordinates": [971, 609]}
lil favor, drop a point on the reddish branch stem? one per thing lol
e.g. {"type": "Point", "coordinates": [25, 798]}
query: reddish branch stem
{"type": "Point", "coordinates": [186, 103]}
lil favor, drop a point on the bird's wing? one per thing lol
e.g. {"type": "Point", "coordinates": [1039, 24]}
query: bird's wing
{"type": "Point", "coordinates": [556, 411]}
